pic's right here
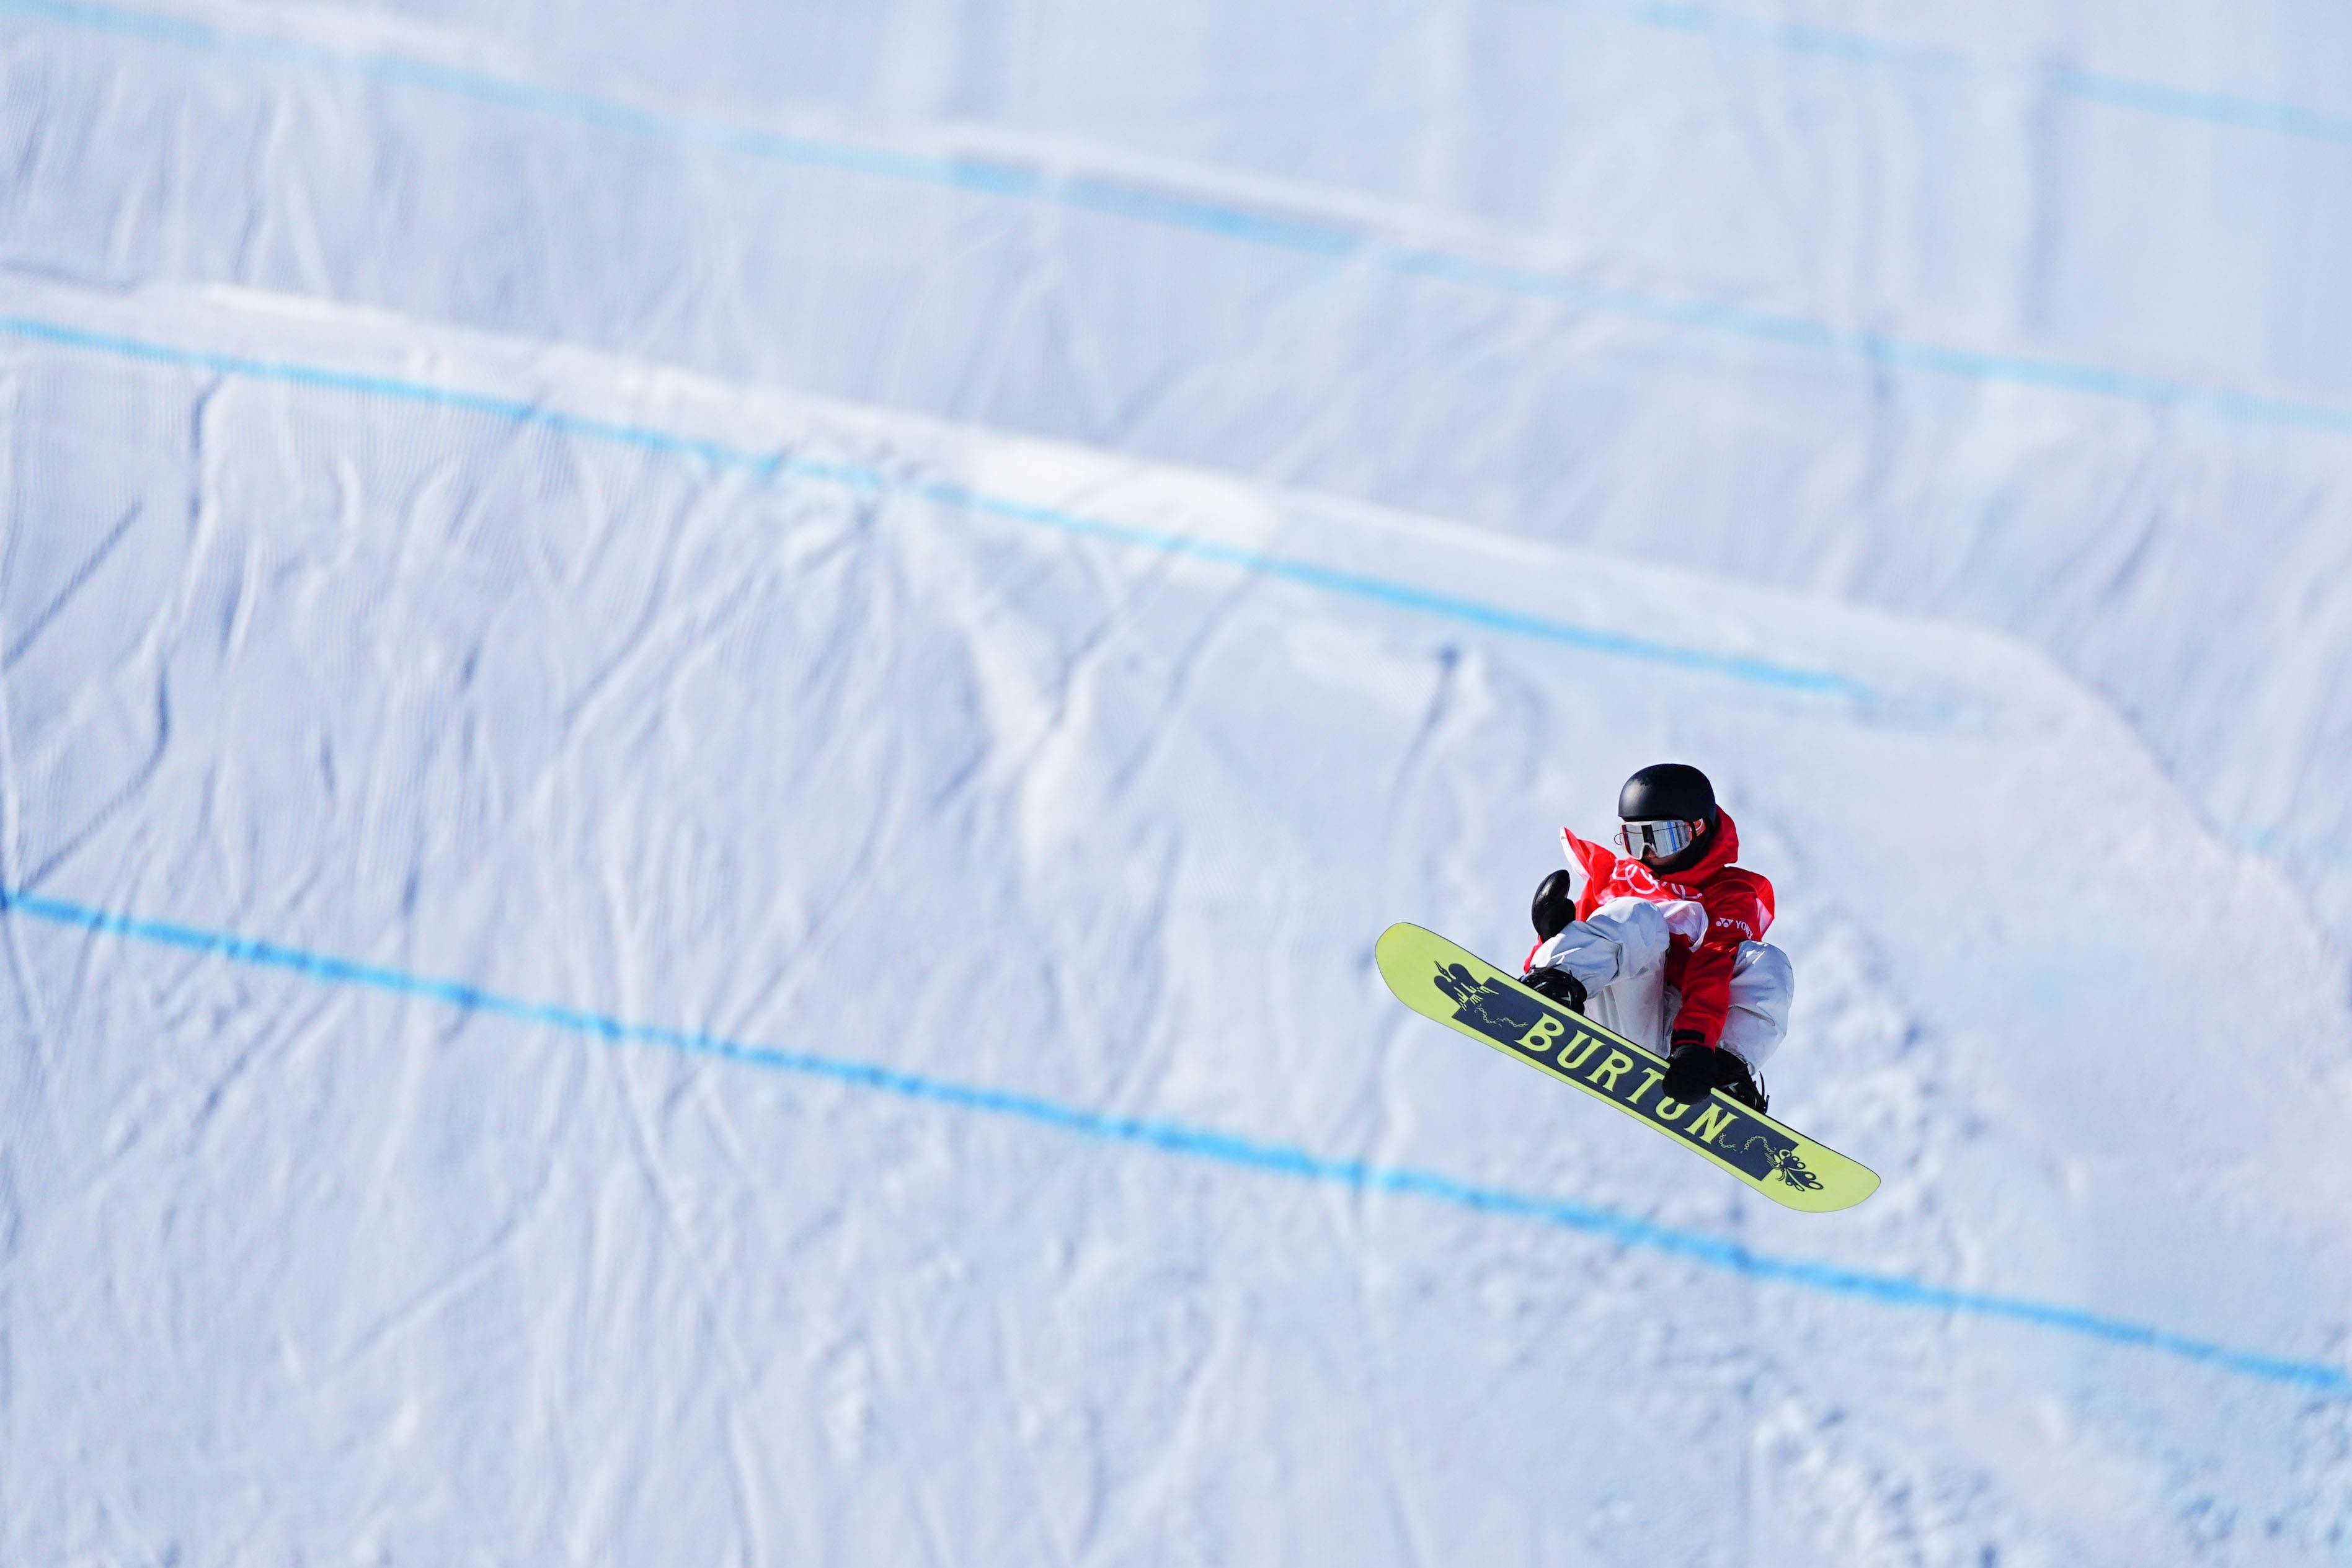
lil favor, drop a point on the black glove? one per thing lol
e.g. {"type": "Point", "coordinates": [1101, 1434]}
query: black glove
{"type": "Point", "coordinates": [1559, 984]}
{"type": "Point", "coordinates": [1690, 1069]}
{"type": "Point", "coordinates": [1554, 907]}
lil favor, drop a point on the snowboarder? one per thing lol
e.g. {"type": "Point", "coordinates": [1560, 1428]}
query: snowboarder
{"type": "Point", "coordinates": [1664, 943]}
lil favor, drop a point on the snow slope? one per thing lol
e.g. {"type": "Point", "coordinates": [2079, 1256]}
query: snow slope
{"type": "Point", "coordinates": [704, 719]}
{"type": "Point", "coordinates": [2032, 318]}
{"type": "Point", "coordinates": [577, 684]}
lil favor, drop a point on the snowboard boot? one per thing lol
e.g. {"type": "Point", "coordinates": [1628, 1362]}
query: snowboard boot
{"type": "Point", "coordinates": [1736, 1079]}
{"type": "Point", "coordinates": [1559, 984]}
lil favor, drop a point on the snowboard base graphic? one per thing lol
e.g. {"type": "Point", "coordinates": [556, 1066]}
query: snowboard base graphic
{"type": "Point", "coordinates": [1455, 987]}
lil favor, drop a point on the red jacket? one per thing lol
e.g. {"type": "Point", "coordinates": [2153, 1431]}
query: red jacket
{"type": "Point", "coordinates": [1711, 907]}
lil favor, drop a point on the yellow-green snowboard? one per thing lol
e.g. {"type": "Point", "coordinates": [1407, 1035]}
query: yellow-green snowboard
{"type": "Point", "coordinates": [1434, 977]}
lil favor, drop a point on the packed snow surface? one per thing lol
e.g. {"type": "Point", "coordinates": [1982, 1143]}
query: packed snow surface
{"type": "Point", "coordinates": [706, 712]}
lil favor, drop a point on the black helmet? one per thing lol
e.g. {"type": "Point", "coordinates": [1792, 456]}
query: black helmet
{"type": "Point", "coordinates": [1667, 793]}
{"type": "Point", "coordinates": [1666, 809]}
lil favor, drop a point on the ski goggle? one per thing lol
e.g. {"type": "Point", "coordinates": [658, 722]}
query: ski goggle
{"type": "Point", "coordinates": [1663, 840]}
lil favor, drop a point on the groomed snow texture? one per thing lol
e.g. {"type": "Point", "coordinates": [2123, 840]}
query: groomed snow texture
{"type": "Point", "coordinates": [706, 710]}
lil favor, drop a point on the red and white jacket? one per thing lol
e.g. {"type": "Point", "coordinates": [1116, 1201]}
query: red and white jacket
{"type": "Point", "coordinates": [1711, 907]}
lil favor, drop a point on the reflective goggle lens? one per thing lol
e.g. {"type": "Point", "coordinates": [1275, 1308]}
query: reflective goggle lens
{"type": "Point", "coordinates": [1664, 840]}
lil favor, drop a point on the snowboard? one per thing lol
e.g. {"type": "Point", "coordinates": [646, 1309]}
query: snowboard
{"type": "Point", "coordinates": [1455, 987]}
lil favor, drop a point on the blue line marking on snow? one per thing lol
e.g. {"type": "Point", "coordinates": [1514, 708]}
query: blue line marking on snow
{"type": "Point", "coordinates": [2212, 108]}
{"type": "Point", "coordinates": [1880, 348]}
{"type": "Point", "coordinates": [1332, 239]}
{"type": "Point", "coordinates": [977, 175]}
{"type": "Point", "coordinates": [1203, 1143]}
{"type": "Point", "coordinates": [868, 481]}
{"type": "Point", "coordinates": [2155, 98]}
